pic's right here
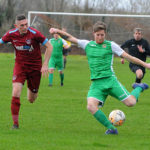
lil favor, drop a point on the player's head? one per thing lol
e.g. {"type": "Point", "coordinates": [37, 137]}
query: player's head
{"type": "Point", "coordinates": [99, 31]}
{"type": "Point", "coordinates": [137, 34]}
{"type": "Point", "coordinates": [56, 36]}
{"type": "Point", "coordinates": [21, 23]}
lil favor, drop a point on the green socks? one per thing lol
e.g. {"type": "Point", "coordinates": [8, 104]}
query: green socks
{"type": "Point", "coordinates": [50, 78]}
{"type": "Point", "coordinates": [136, 92]}
{"type": "Point", "coordinates": [100, 116]}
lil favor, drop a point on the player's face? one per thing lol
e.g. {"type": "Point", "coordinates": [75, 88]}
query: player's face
{"type": "Point", "coordinates": [99, 36]}
{"type": "Point", "coordinates": [22, 26]}
{"type": "Point", "coordinates": [137, 35]}
{"type": "Point", "coordinates": [56, 36]}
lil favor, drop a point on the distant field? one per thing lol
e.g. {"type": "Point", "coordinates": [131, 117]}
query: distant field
{"type": "Point", "coordinates": [59, 120]}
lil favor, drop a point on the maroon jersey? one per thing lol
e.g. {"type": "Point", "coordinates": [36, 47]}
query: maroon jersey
{"type": "Point", "coordinates": [27, 46]}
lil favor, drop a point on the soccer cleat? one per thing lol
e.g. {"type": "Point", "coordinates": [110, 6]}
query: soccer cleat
{"type": "Point", "coordinates": [15, 126]}
{"type": "Point", "coordinates": [144, 86]}
{"type": "Point", "coordinates": [50, 85]}
{"type": "Point", "coordinates": [61, 84]}
{"type": "Point", "coordinates": [111, 131]}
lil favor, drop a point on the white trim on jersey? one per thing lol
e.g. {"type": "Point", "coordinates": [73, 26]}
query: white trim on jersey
{"type": "Point", "coordinates": [64, 42]}
{"type": "Point", "coordinates": [116, 49]}
{"type": "Point", "coordinates": [82, 43]}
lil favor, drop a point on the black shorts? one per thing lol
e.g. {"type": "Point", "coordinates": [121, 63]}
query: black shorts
{"type": "Point", "coordinates": [134, 68]}
{"type": "Point", "coordinates": [65, 51]}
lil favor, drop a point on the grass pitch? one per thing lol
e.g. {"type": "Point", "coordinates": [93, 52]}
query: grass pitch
{"type": "Point", "coordinates": [59, 120]}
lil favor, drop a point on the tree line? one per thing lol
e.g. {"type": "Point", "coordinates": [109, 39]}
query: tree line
{"type": "Point", "coordinates": [10, 8]}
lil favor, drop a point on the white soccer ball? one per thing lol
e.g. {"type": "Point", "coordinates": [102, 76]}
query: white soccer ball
{"type": "Point", "coordinates": [117, 117]}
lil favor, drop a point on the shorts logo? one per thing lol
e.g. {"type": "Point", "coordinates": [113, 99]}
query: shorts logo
{"type": "Point", "coordinates": [122, 95]}
{"type": "Point", "coordinates": [14, 77]}
{"type": "Point", "coordinates": [34, 90]}
{"type": "Point", "coordinates": [28, 41]}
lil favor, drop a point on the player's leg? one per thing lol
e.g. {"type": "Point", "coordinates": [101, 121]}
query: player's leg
{"type": "Point", "coordinates": [51, 67]}
{"type": "Point", "coordinates": [133, 98]}
{"type": "Point", "coordinates": [15, 103]}
{"type": "Point", "coordinates": [139, 71]}
{"type": "Point", "coordinates": [65, 53]}
{"type": "Point", "coordinates": [60, 67]}
{"type": "Point", "coordinates": [138, 88]}
{"type": "Point", "coordinates": [61, 77]}
{"type": "Point", "coordinates": [96, 98]}
{"type": "Point", "coordinates": [51, 72]}
{"type": "Point", "coordinates": [31, 96]}
{"type": "Point", "coordinates": [139, 75]}
{"type": "Point", "coordinates": [120, 92]}
{"type": "Point", "coordinates": [33, 83]}
{"type": "Point", "coordinates": [92, 106]}
{"type": "Point", "coordinates": [19, 77]}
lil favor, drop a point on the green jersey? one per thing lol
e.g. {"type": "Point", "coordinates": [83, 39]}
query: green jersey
{"type": "Point", "coordinates": [57, 47]}
{"type": "Point", "coordinates": [100, 57]}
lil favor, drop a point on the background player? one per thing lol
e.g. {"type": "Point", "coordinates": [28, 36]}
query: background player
{"type": "Point", "coordinates": [66, 50]}
{"type": "Point", "coordinates": [104, 82]}
{"type": "Point", "coordinates": [139, 48]}
{"type": "Point", "coordinates": [56, 59]}
{"type": "Point", "coordinates": [28, 62]}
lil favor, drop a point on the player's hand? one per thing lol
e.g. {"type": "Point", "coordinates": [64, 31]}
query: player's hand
{"type": "Point", "coordinates": [140, 48]}
{"type": "Point", "coordinates": [44, 70]}
{"type": "Point", "coordinates": [122, 60]}
{"type": "Point", "coordinates": [52, 30]}
{"type": "Point", "coordinates": [148, 65]}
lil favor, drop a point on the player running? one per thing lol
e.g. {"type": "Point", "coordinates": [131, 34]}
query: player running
{"type": "Point", "coordinates": [139, 48]}
{"type": "Point", "coordinates": [100, 54]}
{"type": "Point", "coordinates": [28, 62]}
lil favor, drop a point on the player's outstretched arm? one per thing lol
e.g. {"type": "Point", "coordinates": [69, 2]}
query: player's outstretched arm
{"type": "Point", "coordinates": [135, 60]}
{"type": "Point", "coordinates": [64, 35]}
{"type": "Point", "coordinates": [47, 56]}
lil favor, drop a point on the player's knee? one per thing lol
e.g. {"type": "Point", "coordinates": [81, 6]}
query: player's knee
{"type": "Point", "coordinates": [51, 71]}
{"type": "Point", "coordinates": [91, 107]}
{"type": "Point", "coordinates": [139, 74]}
{"type": "Point", "coordinates": [130, 102]}
{"type": "Point", "coordinates": [16, 92]}
{"type": "Point", "coordinates": [31, 100]}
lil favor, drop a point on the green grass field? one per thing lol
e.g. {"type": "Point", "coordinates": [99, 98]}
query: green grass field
{"type": "Point", "coordinates": [59, 120]}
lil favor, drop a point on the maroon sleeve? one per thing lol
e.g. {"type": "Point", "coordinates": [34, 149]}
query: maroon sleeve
{"type": "Point", "coordinates": [6, 37]}
{"type": "Point", "coordinates": [40, 37]}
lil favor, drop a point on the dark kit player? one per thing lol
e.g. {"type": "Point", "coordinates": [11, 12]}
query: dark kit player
{"type": "Point", "coordinates": [139, 48]}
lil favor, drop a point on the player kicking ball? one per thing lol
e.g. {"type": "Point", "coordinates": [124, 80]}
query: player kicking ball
{"type": "Point", "coordinates": [100, 54]}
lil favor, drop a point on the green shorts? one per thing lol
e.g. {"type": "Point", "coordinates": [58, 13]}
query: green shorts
{"type": "Point", "coordinates": [56, 63]}
{"type": "Point", "coordinates": [101, 88]}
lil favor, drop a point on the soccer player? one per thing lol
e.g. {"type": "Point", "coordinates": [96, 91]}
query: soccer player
{"type": "Point", "coordinates": [66, 50]}
{"type": "Point", "coordinates": [139, 48]}
{"type": "Point", "coordinates": [104, 82]}
{"type": "Point", "coordinates": [56, 59]}
{"type": "Point", "coordinates": [28, 62]}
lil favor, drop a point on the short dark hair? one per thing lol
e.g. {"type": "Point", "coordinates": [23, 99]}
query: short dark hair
{"type": "Point", "coordinates": [99, 26]}
{"type": "Point", "coordinates": [20, 17]}
{"type": "Point", "coordinates": [137, 30]}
